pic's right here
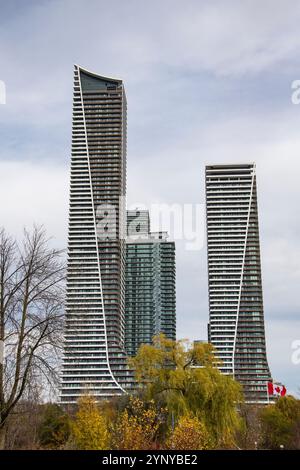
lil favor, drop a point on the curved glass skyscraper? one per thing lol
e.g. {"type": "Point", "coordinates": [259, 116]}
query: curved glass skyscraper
{"type": "Point", "coordinates": [236, 318]}
{"type": "Point", "coordinates": [94, 358]}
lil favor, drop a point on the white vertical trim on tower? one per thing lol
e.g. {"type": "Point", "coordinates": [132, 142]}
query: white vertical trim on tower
{"type": "Point", "coordinates": [96, 237]}
{"type": "Point", "coordinates": [242, 271]}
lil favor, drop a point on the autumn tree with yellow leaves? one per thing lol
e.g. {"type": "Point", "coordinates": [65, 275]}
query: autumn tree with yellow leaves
{"type": "Point", "coordinates": [89, 429]}
{"type": "Point", "coordinates": [136, 427]}
{"type": "Point", "coordinates": [189, 434]}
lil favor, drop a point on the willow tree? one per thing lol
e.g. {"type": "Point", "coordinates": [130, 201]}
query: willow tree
{"type": "Point", "coordinates": [31, 308]}
{"type": "Point", "coordinates": [184, 377]}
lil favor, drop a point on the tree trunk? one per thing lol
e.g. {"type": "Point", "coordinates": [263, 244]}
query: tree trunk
{"type": "Point", "coordinates": [2, 437]}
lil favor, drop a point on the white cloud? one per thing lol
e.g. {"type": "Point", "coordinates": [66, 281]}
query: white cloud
{"type": "Point", "coordinates": [34, 193]}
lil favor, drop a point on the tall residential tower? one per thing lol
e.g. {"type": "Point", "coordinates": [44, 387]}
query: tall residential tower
{"type": "Point", "coordinates": [94, 358]}
{"type": "Point", "coordinates": [150, 283]}
{"type": "Point", "coordinates": [236, 318]}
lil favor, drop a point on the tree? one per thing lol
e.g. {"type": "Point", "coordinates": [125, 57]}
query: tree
{"type": "Point", "coordinates": [189, 434]}
{"type": "Point", "coordinates": [89, 429]}
{"type": "Point", "coordinates": [31, 312]}
{"type": "Point", "coordinates": [248, 436]}
{"type": "Point", "coordinates": [281, 424]}
{"type": "Point", "coordinates": [184, 378]}
{"type": "Point", "coordinates": [22, 426]}
{"type": "Point", "coordinates": [136, 427]}
{"type": "Point", "coordinates": [54, 428]}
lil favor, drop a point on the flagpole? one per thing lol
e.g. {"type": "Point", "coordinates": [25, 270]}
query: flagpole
{"type": "Point", "coordinates": [268, 393]}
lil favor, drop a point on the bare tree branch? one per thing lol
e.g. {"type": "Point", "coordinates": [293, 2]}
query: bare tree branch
{"type": "Point", "coordinates": [31, 315]}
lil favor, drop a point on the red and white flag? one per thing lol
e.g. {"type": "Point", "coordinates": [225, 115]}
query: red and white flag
{"type": "Point", "coordinates": [276, 389]}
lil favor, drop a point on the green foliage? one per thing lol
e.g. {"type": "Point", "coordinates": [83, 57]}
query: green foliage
{"type": "Point", "coordinates": [184, 378]}
{"type": "Point", "coordinates": [281, 424]}
{"type": "Point", "coordinates": [54, 428]}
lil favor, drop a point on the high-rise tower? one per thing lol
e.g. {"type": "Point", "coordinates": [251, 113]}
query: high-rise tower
{"type": "Point", "coordinates": [150, 283]}
{"type": "Point", "coordinates": [94, 358]}
{"type": "Point", "coordinates": [236, 318]}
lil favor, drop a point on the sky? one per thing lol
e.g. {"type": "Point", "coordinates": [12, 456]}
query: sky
{"type": "Point", "coordinates": [207, 81]}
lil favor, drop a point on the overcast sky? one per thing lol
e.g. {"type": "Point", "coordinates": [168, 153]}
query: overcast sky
{"type": "Point", "coordinates": [206, 82]}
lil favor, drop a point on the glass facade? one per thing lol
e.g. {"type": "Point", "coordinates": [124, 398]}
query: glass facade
{"type": "Point", "coordinates": [150, 300]}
